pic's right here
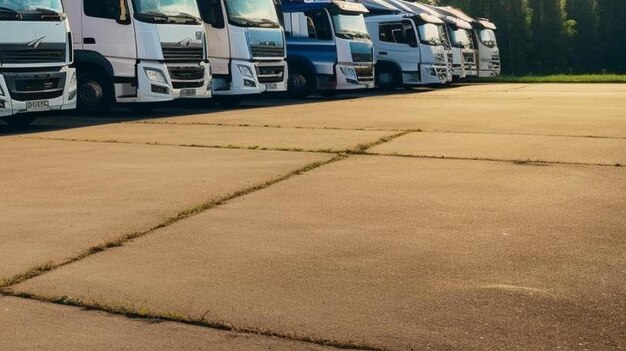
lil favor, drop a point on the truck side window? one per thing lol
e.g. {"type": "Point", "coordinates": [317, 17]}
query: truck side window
{"type": "Point", "coordinates": [392, 33]}
{"type": "Point", "coordinates": [318, 25]}
{"type": "Point", "coordinates": [109, 9]}
{"type": "Point", "coordinates": [212, 13]}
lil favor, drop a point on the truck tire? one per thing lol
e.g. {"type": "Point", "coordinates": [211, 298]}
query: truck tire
{"type": "Point", "coordinates": [95, 93]}
{"type": "Point", "coordinates": [298, 84]}
{"type": "Point", "coordinates": [387, 79]}
{"type": "Point", "coordinates": [17, 122]}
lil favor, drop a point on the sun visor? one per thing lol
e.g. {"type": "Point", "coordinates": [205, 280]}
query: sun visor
{"type": "Point", "coordinates": [350, 6]}
{"type": "Point", "coordinates": [458, 22]}
{"type": "Point", "coordinates": [485, 23]}
{"type": "Point", "coordinates": [429, 18]}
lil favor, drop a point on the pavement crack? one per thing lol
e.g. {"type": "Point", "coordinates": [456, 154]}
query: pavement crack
{"type": "Point", "coordinates": [363, 148]}
{"type": "Point", "coordinates": [529, 162]}
{"type": "Point", "coordinates": [182, 215]}
{"type": "Point", "coordinates": [159, 317]}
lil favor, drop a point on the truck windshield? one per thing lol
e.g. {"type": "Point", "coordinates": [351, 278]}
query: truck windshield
{"type": "Point", "coordinates": [350, 26]}
{"type": "Point", "coordinates": [30, 9]}
{"type": "Point", "coordinates": [431, 34]}
{"type": "Point", "coordinates": [167, 11]}
{"type": "Point", "coordinates": [461, 38]}
{"type": "Point", "coordinates": [488, 38]}
{"type": "Point", "coordinates": [252, 13]}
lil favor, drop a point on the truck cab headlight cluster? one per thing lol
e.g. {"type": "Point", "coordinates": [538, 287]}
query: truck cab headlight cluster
{"type": "Point", "coordinates": [440, 58]}
{"type": "Point", "coordinates": [349, 72]}
{"type": "Point", "coordinates": [245, 71]}
{"type": "Point", "coordinates": [73, 87]}
{"type": "Point", "coordinates": [155, 75]}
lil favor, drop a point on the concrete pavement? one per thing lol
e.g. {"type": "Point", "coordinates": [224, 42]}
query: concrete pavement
{"type": "Point", "coordinates": [482, 217]}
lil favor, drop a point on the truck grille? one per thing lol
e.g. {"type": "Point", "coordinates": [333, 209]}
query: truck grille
{"type": "Point", "coordinates": [35, 86]}
{"type": "Point", "coordinates": [267, 51]}
{"type": "Point", "coordinates": [186, 76]}
{"type": "Point", "coordinates": [183, 54]}
{"type": "Point", "coordinates": [365, 73]}
{"type": "Point", "coordinates": [32, 56]}
{"type": "Point", "coordinates": [270, 74]}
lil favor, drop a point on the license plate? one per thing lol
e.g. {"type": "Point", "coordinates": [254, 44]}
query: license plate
{"type": "Point", "coordinates": [37, 105]}
{"type": "Point", "coordinates": [187, 92]}
{"type": "Point", "coordinates": [272, 86]}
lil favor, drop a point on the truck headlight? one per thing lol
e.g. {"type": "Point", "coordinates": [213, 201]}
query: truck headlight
{"type": "Point", "coordinates": [440, 58]}
{"type": "Point", "coordinates": [72, 87]}
{"type": "Point", "coordinates": [245, 71]}
{"type": "Point", "coordinates": [348, 72]}
{"type": "Point", "coordinates": [155, 75]}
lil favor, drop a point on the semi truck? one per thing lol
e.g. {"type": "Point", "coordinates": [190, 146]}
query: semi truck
{"type": "Point", "coordinates": [462, 51]}
{"type": "Point", "coordinates": [328, 47]}
{"type": "Point", "coordinates": [35, 58]}
{"type": "Point", "coordinates": [410, 45]}
{"type": "Point", "coordinates": [138, 52]}
{"type": "Point", "coordinates": [247, 47]}
{"type": "Point", "coordinates": [484, 38]}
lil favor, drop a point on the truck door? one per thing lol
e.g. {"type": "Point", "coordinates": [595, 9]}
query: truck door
{"type": "Point", "coordinates": [396, 40]}
{"type": "Point", "coordinates": [107, 28]}
{"type": "Point", "coordinates": [213, 15]}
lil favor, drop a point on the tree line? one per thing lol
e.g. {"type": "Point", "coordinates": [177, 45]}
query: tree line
{"type": "Point", "coordinates": [555, 36]}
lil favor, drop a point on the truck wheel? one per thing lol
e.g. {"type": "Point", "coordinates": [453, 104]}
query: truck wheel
{"type": "Point", "coordinates": [387, 80]}
{"type": "Point", "coordinates": [19, 121]}
{"type": "Point", "coordinates": [298, 86]}
{"type": "Point", "coordinates": [95, 94]}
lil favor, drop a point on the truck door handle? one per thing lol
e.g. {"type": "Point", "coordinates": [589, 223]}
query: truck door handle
{"type": "Point", "coordinates": [382, 52]}
{"type": "Point", "coordinates": [89, 40]}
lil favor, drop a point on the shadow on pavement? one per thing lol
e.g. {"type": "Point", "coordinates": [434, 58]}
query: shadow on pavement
{"type": "Point", "coordinates": [72, 119]}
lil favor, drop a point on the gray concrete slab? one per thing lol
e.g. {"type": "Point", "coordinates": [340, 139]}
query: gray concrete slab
{"type": "Point", "coordinates": [601, 151]}
{"type": "Point", "coordinates": [31, 325]}
{"type": "Point", "coordinates": [578, 110]}
{"type": "Point", "coordinates": [405, 254]}
{"type": "Point", "coordinates": [59, 198]}
{"type": "Point", "coordinates": [222, 136]}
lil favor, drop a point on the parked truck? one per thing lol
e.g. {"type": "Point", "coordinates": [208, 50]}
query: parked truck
{"type": "Point", "coordinates": [328, 47]}
{"type": "Point", "coordinates": [138, 52]}
{"type": "Point", "coordinates": [484, 38]}
{"type": "Point", "coordinates": [462, 52]}
{"type": "Point", "coordinates": [246, 47]}
{"type": "Point", "coordinates": [35, 58]}
{"type": "Point", "coordinates": [409, 45]}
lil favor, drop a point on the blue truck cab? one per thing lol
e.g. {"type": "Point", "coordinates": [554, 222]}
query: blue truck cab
{"type": "Point", "coordinates": [328, 47]}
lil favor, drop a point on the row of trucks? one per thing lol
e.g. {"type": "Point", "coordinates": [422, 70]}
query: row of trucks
{"type": "Point", "coordinates": [63, 54]}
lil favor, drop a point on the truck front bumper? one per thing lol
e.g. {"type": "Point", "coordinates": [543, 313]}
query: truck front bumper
{"type": "Point", "coordinates": [247, 78]}
{"type": "Point", "coordinates": [25, 92]}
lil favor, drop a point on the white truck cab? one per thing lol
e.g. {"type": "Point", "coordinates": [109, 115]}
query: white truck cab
{"type": "Point", "coordinates": [410, 46]}
{"type": "Point", "coordinates": [485, 42]}
{"type": "Point", "coordinates": [35, 58]}
{"type": "Point", "coordinates": [138, 51]}
{"type": "Point", "coordinates": [246, 47]}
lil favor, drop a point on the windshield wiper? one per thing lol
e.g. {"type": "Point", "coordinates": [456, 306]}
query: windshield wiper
{"type": "Point", "coordinates": [5, 10]}
{"type": "Point", "coordinates": [47, 12]}
{"type": "Point", "coordinates": [351, 34]}
{"type": "Point", "coordinates": [255, 22]}
{"type": "Point", "coordinates": [156, 16]}
{"type": "Point", "coordinates": [191, 17]}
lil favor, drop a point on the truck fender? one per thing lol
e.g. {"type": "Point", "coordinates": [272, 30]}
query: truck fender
{"type": "Point", "coordinates": [87, 58]}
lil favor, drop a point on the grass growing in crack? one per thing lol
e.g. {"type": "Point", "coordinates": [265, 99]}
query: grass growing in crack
{"type": "Point", "coordinates": [362, 148]}
{"type": "Point", "coordinates": [120, 241]}
{"type": "Point", "coordinates": [144, 313]}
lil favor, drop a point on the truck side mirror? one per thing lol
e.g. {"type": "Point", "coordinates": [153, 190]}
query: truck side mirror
{"type": "Point", "coordinates": [123, 17]}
